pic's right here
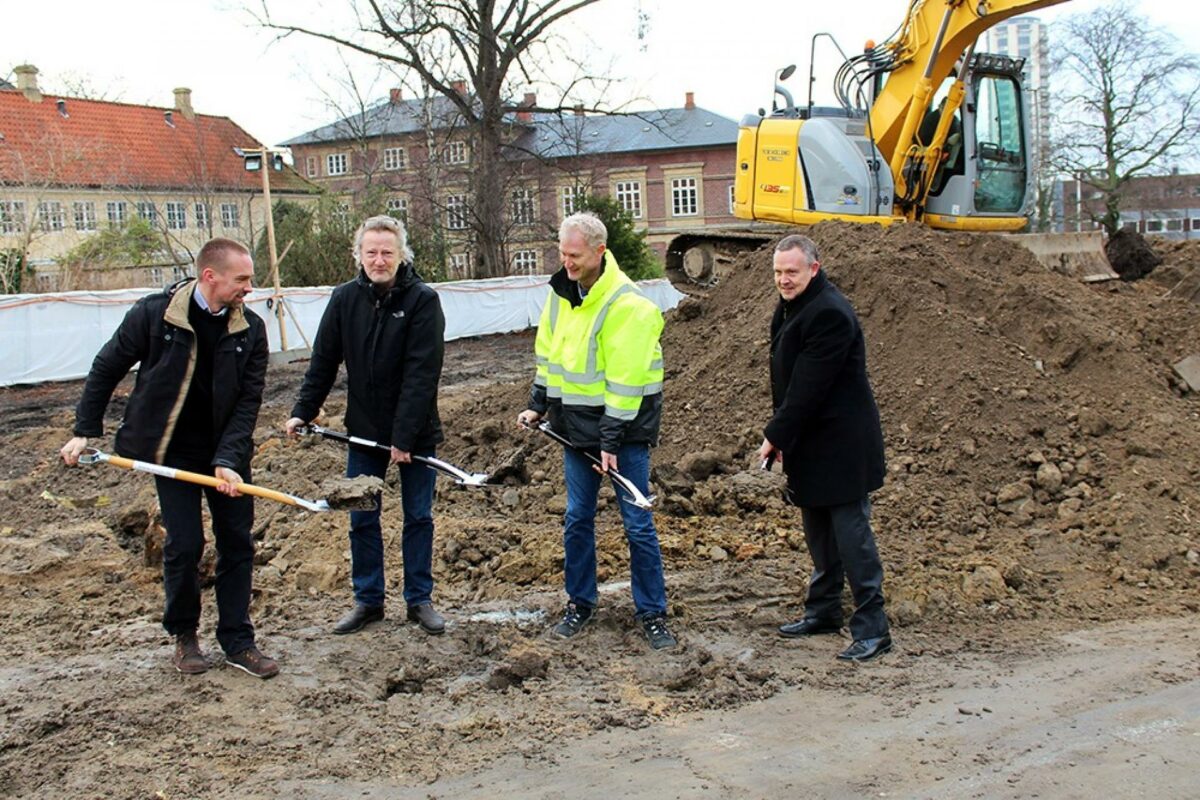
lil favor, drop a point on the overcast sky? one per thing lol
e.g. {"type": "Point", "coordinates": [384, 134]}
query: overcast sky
{"type": "Point", "coordinates": [138, 51]}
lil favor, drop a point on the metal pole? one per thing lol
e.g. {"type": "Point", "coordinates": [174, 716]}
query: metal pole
{"type": "Point", "coordinates": [278, 296]}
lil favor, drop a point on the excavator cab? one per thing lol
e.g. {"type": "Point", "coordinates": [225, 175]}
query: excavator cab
{"type": "Point", "coordinates": [983, 182]}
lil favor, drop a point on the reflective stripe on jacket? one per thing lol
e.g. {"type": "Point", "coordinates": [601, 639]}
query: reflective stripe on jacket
{"type": "Point", "coordinates": [599, 361]}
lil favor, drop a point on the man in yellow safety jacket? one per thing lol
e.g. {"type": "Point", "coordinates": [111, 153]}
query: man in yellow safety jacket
{"type": "Point", "coordinates": [599, 381]}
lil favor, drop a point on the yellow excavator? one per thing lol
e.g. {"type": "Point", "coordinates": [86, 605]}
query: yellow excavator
{"type": "Point", "coordinates": [888, 153]}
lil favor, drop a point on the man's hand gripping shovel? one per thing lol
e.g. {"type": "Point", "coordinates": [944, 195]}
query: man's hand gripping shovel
{"type": "Point", "coordinates": [633, 495]}
{"type": "Point", "coordinates": [459, 475]}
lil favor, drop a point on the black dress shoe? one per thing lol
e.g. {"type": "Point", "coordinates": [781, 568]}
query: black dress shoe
{"type": "Point", "coordinates": [359, 616]}
{"type": "Point", "coordinates": [866, 649]}
{"type": "Point", "coordinates": [807, 626]}
{"type": "Point", "coordinates": [430, 620]}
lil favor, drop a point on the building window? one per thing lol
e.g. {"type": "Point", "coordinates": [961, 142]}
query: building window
{"type": "Point", "coordinates": [629, 197]}
{"type": "Point", "coordinates": [12, 216]}
{"type": "Point", "coordinates": [156, 276]}
{"type": "Point", "coordinates": [398, 208]}
{"type": "Point", "coordinates": [522, 207]}
{"type": "Point", "coordinates": [310, 166]}
{"type": "Point", "coordinates": [1196, 191]}
{"type": "Point", "coordinates": [393, 158]}
{"type": "Point", "coordinates": [1131, 225]}
{"type": "Point", "coordinates": [335, 164]}
{"type": "Point", "coordinates": [116, 213]}
{"type": "Point", "coordinates": [47, 282]}
{"type": "Point", "coordinates": [455, 153]}
{"type": "Point", "coordinates": [176, 216]}
{"type": "Point", "coordinates": [202, 217]}
{"type": "Point", "coordinates": [525, 262]}
{"type": "Point", "coordinates": [572, 197]}
{"type": "Point", "coordinates": [1175, 225]}
{"type": "Point", "coordinates": [230, 217]}
{"type": "Point", "coordinates": [456, 212]}
{"type": "Point", "coordinates": [1154, 226]}
{"type": "Point", "coordinates": [180, 272]}
{"type": "Point", "coordinates": [460, 265]}
{"type": "Point", "coordinates": [51, 216]}
{"type": "Point", "coordinates": [683, 197]}
{"type": "Point", "coordinates": [731, 198]}
{"type": "Point", "coordinates": [148, 212]}
{"type": "Point", "coordinates": [85, 216]}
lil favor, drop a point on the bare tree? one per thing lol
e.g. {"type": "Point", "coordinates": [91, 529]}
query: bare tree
{"type": "Point", "coordinates": [493, 44]}
{"type": "Point", "coordinates": [1128, 106]}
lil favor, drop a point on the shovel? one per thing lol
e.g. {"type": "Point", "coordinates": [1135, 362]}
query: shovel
{"type": "Point", "coordinates": [459, 475]}
{"type": "Point", "coordinates": [635, 494]}
{"type": "Point", "coordinates": [94, 456]}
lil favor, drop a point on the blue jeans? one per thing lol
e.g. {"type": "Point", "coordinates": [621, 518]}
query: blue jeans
{"type": "Point", "coordinates": [416, 541]}
{"type": "Point", "coordinates": [579, 533]}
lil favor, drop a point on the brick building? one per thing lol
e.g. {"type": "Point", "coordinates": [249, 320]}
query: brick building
{"type": "Point", "coordinates": [71, 167]}
{"type": "Point", "coordinates": [1158, 205]}
{"type": "Point", "coordinates": [672, 169]}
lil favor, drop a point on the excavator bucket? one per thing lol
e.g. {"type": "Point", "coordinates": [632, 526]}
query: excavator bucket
{"type": "Point", "coordinates": [1077, 254]}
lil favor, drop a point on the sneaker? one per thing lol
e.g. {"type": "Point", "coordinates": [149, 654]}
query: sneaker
{"type": "Point", "coordinates": [254, 662]}
{"type": "Point", "coordinates": [188, 658]}
{"type": "Point", "coordinates": [574, 618]}
{"type": "Point", "coordinates": [655, 628]}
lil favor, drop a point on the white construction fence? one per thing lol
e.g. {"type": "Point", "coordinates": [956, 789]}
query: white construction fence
{"type": "Point", "coordinates": [54, 337]}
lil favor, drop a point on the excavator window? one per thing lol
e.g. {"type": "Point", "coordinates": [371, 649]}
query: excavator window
{"type": "Point", "coordinates": [999, 145]}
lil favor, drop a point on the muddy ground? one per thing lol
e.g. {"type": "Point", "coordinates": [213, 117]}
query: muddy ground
{"type": "Point", "coordinates": [1044, 464]}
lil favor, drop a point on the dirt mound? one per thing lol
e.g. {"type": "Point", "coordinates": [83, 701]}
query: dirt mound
{"type": "Point", "coordinates": [1179, 273]}
{"type": "Point", "coordinates": [1130, 255]}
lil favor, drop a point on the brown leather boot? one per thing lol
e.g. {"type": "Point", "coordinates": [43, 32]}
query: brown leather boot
{"type": "Point", "coordinates": [188, 658]}
{"type": "Point", "coordinates": [252, 661]}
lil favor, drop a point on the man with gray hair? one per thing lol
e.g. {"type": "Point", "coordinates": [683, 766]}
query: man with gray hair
{"type": "Point", "coordinates": [826, 432]}
{"type": "Point", "coordinates": [599, 380]}
{"type": "Point", "coordinates": [387, 326]}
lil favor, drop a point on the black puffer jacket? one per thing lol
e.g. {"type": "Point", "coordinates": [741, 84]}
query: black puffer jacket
{"type": "Point", "coordinates": [392, 347]}
{"type": "Point", "coordinates": [157, 333]}
{"type": "Point", "coordinates": [826, 421]}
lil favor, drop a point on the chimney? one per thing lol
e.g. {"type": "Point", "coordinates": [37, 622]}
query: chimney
{"type": "Point", "coordinates": [395, 96]}
{"type": "Point", "coordinates": [62, 108]}
{"type": "Point", "coordinates": [523, 112]}
{"type": "Point", "coordinates": [460, 87]}
{"type": "Point", "coordinates": [183, 102]}
{"type": "Point", "coordinates": [27, 82]}
{"type": "Point", "coordinates": [690, 102]}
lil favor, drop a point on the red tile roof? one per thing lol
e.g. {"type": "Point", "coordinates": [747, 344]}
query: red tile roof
{"type": "Point", "coordinates": [103, 144]}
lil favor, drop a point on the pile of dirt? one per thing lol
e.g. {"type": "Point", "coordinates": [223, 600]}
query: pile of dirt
{"type": "Point", "coordinates": [1131, 256]}
{"type": "Point", "coordinates": [1179, 272]}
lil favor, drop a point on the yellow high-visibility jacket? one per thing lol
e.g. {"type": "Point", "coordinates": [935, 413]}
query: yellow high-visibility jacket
{"type": "Point", "coordinates": [599, 361]}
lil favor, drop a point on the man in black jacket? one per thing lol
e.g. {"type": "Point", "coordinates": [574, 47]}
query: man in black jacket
{"type": "Point", "coordinates": [203, 364]}
{"type": "Point", "coordinates": [826, 433]}
{"type": "Point", "coordinates": [388, 328]}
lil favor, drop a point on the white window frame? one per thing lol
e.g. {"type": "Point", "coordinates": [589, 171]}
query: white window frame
{"type": "Point", "coordinates": [685, 197]}
{"type": "Point", "coordinates": [398, 207]}
{"type": "Point", "coordinates": [456, 212]}
{"type": "Point", "coordinates": [454, 153]}
{"type": "Point", "coordinates": [12, 216]}
{"type": "Point", "coordinates": [176, 215]}
{"type": "Point", "coordinates": [336, 164]}
{"type": "Point", "coordinates": [1154, 226]}
{"type": "Point", "coordinates": [525, 262]}
{"type": "Point", "coordinates": [524, 206]}
{"type": "Point", "coordinates": [51, 216]}
{"type": "Point", "coordinates": [394, 158]}
{"type": "Point", "coordinates": [148, 211]}
{"type": "Point", "coordinates": [1173, 225]}
{"type": "Point", "coordinates": [85, 215]}
{"type": "Point", "coordinates": [571, 197]}
{"type": "Point", "coordinates": [231, 217]}
{"type": "Point", "coordinates": [203, 215]}
{"type": "Point", "coordinates": [732, 199]}
{"type": "Point", "coordinates": [117, 212]}
{"type": "Point", "coordinates": [310, 166]}
{"type": "Point", "coordinates": [458, 265]}
{"type": "Point", "coordinates": [629, 197]}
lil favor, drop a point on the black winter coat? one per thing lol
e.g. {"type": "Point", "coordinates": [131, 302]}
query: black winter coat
{"type": "Point", "coordinates": [826, 422]}
{"type": "Point", "coordinates": [392, 347]}
{"type": "Point", "coordinates": [157, 333]}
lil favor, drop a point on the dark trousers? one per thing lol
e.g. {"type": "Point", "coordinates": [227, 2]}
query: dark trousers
{"type": "Point", "coordinates": [232, 518]}
{"type": "Point", "coordinates": [416, 539]}
{"type": "Point", "coordinates": [842, 547]}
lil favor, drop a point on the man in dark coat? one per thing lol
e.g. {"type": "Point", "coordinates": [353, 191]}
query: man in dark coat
{"type": "Point", "coordinates": [388, 328]}
{"type": "Point", "coordinates": [826, 433]}
{"type": "Point", "coordinates": [203, 365]}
